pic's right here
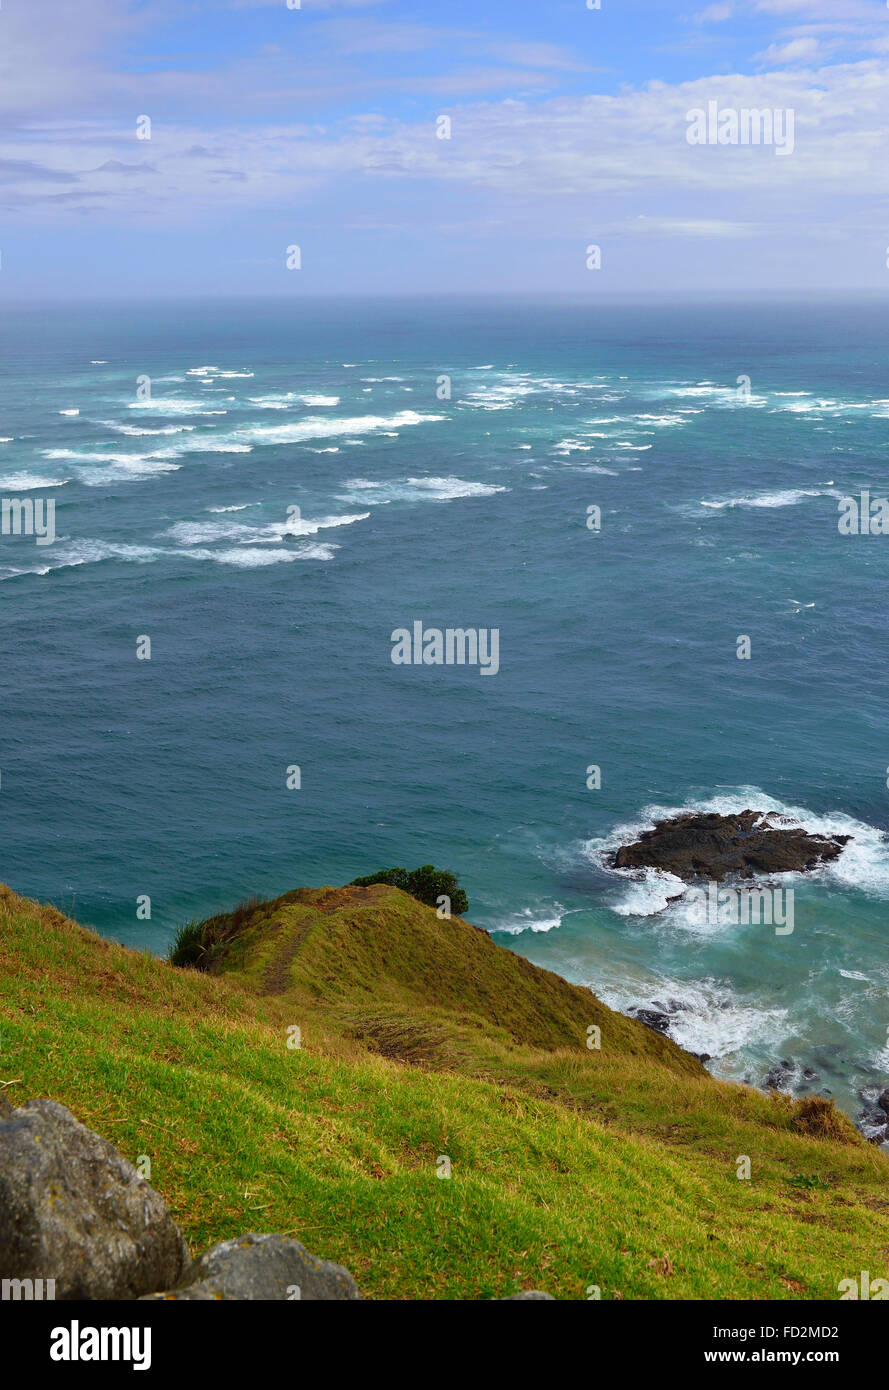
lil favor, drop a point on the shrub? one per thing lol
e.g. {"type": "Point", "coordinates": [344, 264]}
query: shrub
{"type": "Point", "coordinates": [197, 945]}
{"type": "Point", "coordinates": [427, 884]}
{"type": "Point", "coordinates": [186, 948]}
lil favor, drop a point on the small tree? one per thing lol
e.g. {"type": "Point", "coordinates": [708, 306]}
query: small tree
{"type": "Point", "coordinates": [427, 884]}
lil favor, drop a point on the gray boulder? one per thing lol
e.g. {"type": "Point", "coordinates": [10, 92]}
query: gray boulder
{"type": "Point", "coordinates": [74, 1210]}
{"type": "Point", "coordinates": [528, 1293]}
{"type": "Point", "coordinates": [262, 1267]}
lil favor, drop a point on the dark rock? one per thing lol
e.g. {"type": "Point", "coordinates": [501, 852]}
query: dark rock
{"type": "Point", "coordinates": [659, 1017]}
{"type": "Point", "coordinates": [528, 1293]}
{"type": "Point", "coordinates": [262, 1267]}
{"type": "Point", "coordinates": [672, 1006]}
{"type": "Point", "coordinates": [780, 1076]}
{"type": "Point", "coordinates": [652, 1018]}
{"type": "Point", "coordinates": [72, 1209]}
{"type": "Point", "coordinates": [873, 1133]}
{"type": "Point", "coordinates": [873, 1120]}
{"type": "Point", "coordinates": [710, 846]}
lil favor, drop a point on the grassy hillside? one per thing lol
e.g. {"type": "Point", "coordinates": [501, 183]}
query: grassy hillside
{"type": "Point", "coordinates": [421, 1038]}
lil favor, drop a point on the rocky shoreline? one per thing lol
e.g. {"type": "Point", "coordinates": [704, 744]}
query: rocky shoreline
{"type": "Point", "coordinates": [791, 1077]}
{"type": "Point", "coordinates": [708, 847]}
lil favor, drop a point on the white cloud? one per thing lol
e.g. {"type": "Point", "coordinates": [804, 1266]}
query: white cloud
{"type": "Point", "coordinates": [851, 9]}
{"type": "Point", "coordinates": [536, 154]}
{"type": "Point", "coordinates": [707, 227]}
{"type": "Point", "coordinates": [715, 14]}
{"type": "Point", "coordinates": [802, 50]}
{"type": "Point", "coordinates": [304, 5]}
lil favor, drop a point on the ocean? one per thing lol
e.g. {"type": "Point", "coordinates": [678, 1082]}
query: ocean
{"type": "Point", "coordinates": [439, 460]}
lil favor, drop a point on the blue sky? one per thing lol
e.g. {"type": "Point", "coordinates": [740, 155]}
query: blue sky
{"type": "Point", "coordinates": [317, 126]}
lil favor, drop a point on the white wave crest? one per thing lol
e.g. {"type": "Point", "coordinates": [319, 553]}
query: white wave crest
{"type": "Point", "coordinates": [530, 920]}
{"type": "Point", "coordinates": [205, 532]}
{"type": "Point", "coordinates": [319, 427]}
{"type": "Point", "coordinates": [136, 431]}
{"type": "Point", "coordinates": [26, 482]}
{"type": "Point", "coordinates": [417, 489]}
{"type": "Point", "coordinates": [245, 557]}
{"type": "Point", "coordinates": [173, 405]}
{"type": "Point", "coordinates": [711, 1019]}
{"type": "Point", "coordinates": [86, 552]}
{"type": "Point", "coordinates": [787, 497]}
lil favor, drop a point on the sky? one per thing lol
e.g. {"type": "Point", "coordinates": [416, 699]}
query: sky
{"type": "Point", "coordinates": [322, 126]}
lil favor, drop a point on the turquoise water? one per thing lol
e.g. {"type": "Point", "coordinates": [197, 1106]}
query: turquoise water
{"type": "Point", "coordinates": [270, 638]}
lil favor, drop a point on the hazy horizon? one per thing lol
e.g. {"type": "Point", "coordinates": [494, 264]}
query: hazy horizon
{"type": "Point", "coordinates": [712, 295]}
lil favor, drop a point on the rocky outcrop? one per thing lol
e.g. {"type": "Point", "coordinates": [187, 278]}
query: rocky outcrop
{"type": "Point", "coordinates": [74, 1210]}
{"type": "Point", "coordinates": [660, 1017]}
{"type": "Point", "coordinates": [873, 1120]}
{"type": "Point", "coordinates": [712, 847]}
{"type": "Point", "coordinates": [780, 1076]}
{"type": "Point", "coordinates": [654, 1019]}
{"type": "Point", "coordinates": [529, 1293]}
{"type": "Point", "coordinates": [265, 1267]}
{"type": "Point", "coordinates": [789, 1076]}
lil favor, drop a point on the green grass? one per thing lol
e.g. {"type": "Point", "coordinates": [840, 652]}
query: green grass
{"type": "Point", "coordinates": [421, 1038]}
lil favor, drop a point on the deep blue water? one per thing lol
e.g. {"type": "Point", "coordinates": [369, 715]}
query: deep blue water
{"type": "Point", "coordinates": [123, 777]}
